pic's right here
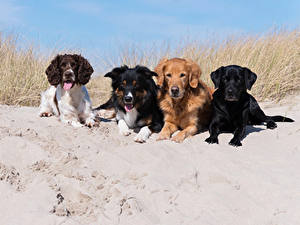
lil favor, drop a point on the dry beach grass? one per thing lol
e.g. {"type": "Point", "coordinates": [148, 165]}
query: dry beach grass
{"type": "Point", "coordinates": [273, 56]}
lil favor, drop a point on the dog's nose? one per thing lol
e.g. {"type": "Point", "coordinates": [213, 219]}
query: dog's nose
{"type": "Point", "coordinates": [128, 99]}
{"type": "Point", "coordinates": [229, 91]}
{"type": "Point", "coordinates": [68, 74]}
{"type": "Point", "coordinates": [175, 90]}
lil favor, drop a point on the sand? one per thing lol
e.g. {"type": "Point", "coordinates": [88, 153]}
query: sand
{"type": "Point", "coordinates": [51, 173]}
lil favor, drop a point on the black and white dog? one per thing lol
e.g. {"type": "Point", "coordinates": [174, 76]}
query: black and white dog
{"type": "Point", "coordinates": [233, 107]}
{"type": "Point", "coordinates": [134, 99]}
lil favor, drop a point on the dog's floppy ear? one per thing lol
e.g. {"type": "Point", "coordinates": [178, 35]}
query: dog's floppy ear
{"type": "Point", "coordinates": [116, 72]}
{"type": "Point", "coordinates": [145, 71]}
{"type": "Point", "coordinates": [85, 69]}
{"type": "Point", "coordinates": [250, 78]}
{"type": "Point", "coordinates": [195, 73]}
{"type": "Point", "coordinates": [52, 71]}
{"type": "Point", "coordinates": [159, 69]}
{"type": "Point", "coordinates": [216, 76]}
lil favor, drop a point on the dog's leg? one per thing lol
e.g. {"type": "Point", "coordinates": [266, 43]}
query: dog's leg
{"type": "Point", "coordinates": [238, 135]}
{"type": "Point", "coordinates": [123, 128]}
{"type": "Point", "coordinates": [143, 135]}
{"type": "Point", "coordinates": [167, 131]}
{"type": "Point", "coordinates": [259, 116]}
{"type": "Point", "coordinates": [88, 115]}
{"type": "Point", "coordinates": [240, 130]}
{"type": "Point", "coordinates": [48, 106]}
{"type": "Point", "coordinates": [214, 131]}
{"type": "Point", "coordinates": [188, 131]}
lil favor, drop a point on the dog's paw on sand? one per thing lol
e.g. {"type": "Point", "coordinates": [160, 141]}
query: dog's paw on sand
{"type": "Point", "coordinates": [11, 176]}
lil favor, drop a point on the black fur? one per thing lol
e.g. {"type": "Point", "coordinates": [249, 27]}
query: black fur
{"type": "Point", "coordinates": [147, 106]}
{"type": "Point", "coordinates": [233, 107]}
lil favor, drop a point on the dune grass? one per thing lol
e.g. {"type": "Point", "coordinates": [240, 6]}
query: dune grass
{"type": "Point", "coordinates": [273, 56]}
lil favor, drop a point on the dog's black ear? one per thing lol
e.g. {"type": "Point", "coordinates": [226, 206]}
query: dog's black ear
{"type": "Point", "coordinates": [145, 71]}
{"type": "Point", "coordinates": [52, 71]}
{"type": "Point", "coordinates": [116, 72]}
{"type": "Point", "coordinates": [250, 78]}
{"type": "Point", "coordinates": [216, 76]}
{"type": "Point", "coordinates": [85, 69]}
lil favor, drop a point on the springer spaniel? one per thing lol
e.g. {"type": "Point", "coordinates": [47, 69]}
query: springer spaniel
{"type": "Point", "coordinates": [67, 96]}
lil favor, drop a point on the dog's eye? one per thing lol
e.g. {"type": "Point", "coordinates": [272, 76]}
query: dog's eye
{"type": "Point", "coordinates": [72, 64]}
{"type": "Point", "coordinates": [63, 64]}
{"type": "Point", "coordinates": [182, 75]}
{"type": "Point", "coordinates": [168, 75]}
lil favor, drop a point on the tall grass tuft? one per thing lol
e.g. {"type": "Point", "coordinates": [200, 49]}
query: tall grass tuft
{"type": "Point", "coordinates": [21, 73]}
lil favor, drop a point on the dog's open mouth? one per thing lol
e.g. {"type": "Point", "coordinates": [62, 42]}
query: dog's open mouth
{"type": "Point", "coordinates": [68, 85]}
{"type": "Point", "coordinates": [128, 107]}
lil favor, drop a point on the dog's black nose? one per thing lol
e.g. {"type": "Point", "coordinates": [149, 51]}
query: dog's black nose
{"type": "Point", "coordinates": [128, 99]}
{"type": "Point", "coordinates": [230, 91]}
{"type": "Point", "coordinates": [175, 90]}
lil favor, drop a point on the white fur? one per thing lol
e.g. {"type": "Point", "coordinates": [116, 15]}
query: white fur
{"type": "Point", "coordinates": [128, 117]}
{"type": "Point", "coordinates": [143, 135]}
{"type": "Point", "coordinates": [70, 70]}
{"type": "Point", "coordinates": [73, 105]}
{"type": "Point", "coordinates": [123, 128]}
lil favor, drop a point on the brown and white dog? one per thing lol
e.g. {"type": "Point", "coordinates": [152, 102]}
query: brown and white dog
{"type": "Point", "coordinates": [67, 97]}
{"type": "Point", "coordinates": [183, 98]}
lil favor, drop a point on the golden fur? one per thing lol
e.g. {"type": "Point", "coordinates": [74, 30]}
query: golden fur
{"type": "Point", "coordinates": [191, 110]}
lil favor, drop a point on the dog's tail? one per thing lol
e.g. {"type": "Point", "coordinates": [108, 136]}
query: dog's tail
{"type": "Point", "coordinates": [108, 105]}
{"type": "Point", "coordinates": [281, 119]}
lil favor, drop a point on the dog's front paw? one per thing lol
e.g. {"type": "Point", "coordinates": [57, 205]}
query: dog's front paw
{"type": "Point", "coordinates": [271, 125]}
{"type": "Point", "coordinates": [75, 124]}
{"type": "Point", "coordinates": [178, 138]}
{"type": "Point", "coordinates": [235, 142]}
{"type": "Point", "coordinates": [124, 132]}
{"type": "Point", "coordinates": [163, 136]}
{"type": "Point", "coordinates": [90, 123]}
{"type": "Point", "coordinates": [212, 140]}
{"type": "Point", "coordinates": [45, 114]}
{"type": "Point", "coordinates": [143, 135]}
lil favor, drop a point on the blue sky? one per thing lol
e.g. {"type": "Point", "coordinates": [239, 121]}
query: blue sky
{"type": "Point", "coordinates": [91, 25]}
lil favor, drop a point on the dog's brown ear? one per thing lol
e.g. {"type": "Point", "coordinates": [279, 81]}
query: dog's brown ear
{"type": "Point", "coordinates": [250, 78]}
{"type": "Point", "coordinates": [52, 71]}
{"type": "Point", "coordinates": [85, 69]}
{"type": "Point", "coordinates": [216, 76]}
{"type": "Point", "coordinates": [159, 69]}
{"type": "Point", "coordinates": [195, 73]}
{"type": "Point", "coordinates": [116, 72]}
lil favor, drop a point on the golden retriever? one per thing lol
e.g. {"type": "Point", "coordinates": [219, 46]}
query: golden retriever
{"type": "Point", "coordinates": [183, 98]}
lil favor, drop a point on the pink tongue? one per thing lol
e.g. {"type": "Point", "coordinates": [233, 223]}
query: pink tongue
{"type": "Point", "coordinates": [128, 108]}
{"type": "Point", "coordinates": [67, 86]}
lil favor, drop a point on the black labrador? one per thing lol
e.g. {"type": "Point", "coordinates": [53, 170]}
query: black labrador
{"type": "Point", "coordinates": [233, 107]}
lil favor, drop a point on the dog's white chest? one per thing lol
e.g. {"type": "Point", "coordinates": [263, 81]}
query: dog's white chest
{"type": "Point", "coordinates": [129, 117]}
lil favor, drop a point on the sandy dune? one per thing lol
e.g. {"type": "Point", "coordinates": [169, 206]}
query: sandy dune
{"type": "Point", "coordinates": [51, 173]}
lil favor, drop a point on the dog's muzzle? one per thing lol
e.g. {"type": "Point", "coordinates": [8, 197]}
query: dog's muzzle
{"type": "Point", "coordinates": [230, 97]}
{"type": "Point", "coordinates": [128, 102]}
{"type": "Point", "coordinates": [175, 92]}
{"type": "Point", "coordinates": [68, 79]}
